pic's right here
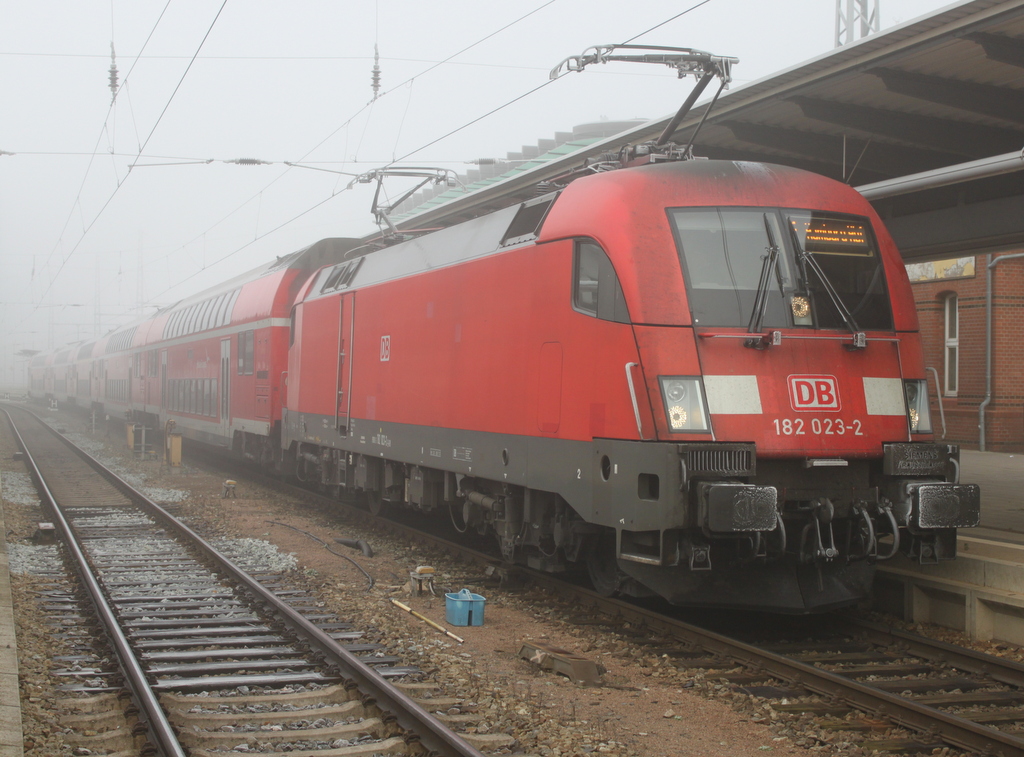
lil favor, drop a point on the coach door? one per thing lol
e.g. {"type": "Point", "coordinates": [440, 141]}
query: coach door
{"type": "Point", "coordinates": [346, 334]}
{"type": "Point", "coordinates": [225, 383]}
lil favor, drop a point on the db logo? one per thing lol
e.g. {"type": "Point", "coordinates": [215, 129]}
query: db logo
{"type": "Point", "coordinates": [385, 348]}
{"type": "Point", "coordinates": [814, 393]}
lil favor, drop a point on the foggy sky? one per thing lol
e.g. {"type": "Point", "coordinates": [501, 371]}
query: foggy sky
{"type": "Point", "coordinates": [111, 210]}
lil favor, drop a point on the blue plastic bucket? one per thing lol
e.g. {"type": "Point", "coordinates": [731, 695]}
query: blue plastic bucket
{"type": "Point", "coordinates": [464, 608]}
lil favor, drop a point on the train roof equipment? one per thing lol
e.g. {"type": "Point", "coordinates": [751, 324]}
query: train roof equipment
{"type": "Point", "coordinates": [427, 175]}
{"type": "Point", "coordinates": [587, 158]}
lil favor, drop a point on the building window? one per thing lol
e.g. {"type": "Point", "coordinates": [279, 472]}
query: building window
{"type": "Point", "coordinates": [952, 345]}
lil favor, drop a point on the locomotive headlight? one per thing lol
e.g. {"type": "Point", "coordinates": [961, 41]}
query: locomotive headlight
{"type": "Point", "coordinates": [684, 404]}
{"type": "Point", "coordinates": [675, 391]}
{"type": "Point", "coordinates": [918, 412]}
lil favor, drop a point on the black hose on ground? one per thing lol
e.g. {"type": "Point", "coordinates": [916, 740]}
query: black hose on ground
{"type": "Point", "coordinates": [328, 548]}
{"type": "Point", "coordinates": [357, 544]}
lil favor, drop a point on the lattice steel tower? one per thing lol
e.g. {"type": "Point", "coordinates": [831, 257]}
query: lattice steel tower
{"type": "Point", "coordinates": [857, 21]}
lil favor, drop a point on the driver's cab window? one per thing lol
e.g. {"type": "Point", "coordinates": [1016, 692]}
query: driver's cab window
{"type": "Point", "coordinates": [596, 289]}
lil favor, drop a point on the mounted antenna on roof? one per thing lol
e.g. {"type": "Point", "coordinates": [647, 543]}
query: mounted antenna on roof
{"type": "Point", "coordinates": [701, 65]}
{"type": "Point", "coordinates": [381, 212]}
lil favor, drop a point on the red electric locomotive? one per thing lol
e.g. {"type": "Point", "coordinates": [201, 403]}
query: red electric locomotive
{"type": "Point", "coordinates": [701, 379]}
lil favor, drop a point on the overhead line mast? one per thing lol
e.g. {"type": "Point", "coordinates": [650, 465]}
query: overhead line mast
{"type": "Point", "coordinates": [857, 21]}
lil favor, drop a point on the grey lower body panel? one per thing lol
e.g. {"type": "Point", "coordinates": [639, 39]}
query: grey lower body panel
{"type": "Point", "coordinates": [614, 483]}
{"type": "Point", "coordinates": [697, 523]}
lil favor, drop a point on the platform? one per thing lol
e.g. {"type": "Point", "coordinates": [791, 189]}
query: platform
{"type": "Point", "coordinates": [981, 592]}
{"type": "Point", "coordinates": [1001, 477]}
{"type": "Point", "coordinates": [11, 741]}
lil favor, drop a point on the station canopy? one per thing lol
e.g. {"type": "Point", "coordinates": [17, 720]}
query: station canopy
{"type": "Point", "coordinates": [926, 118]}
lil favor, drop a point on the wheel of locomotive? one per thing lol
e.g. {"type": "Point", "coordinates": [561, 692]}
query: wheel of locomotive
{"type": "Point", "coordinates": [603, 568]}
{"type": "Point", "coordinates": [376, 503]}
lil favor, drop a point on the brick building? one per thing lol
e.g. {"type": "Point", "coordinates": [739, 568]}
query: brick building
{"type": "Point", "coordinates": [951, 304]}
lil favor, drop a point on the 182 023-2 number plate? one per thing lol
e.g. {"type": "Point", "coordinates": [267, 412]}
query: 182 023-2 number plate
{"type": "Point", "coordinates": [817, 427]}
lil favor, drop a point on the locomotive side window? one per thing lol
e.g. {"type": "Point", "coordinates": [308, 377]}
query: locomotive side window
{"type": "Point", "coordinates": [596, 288]}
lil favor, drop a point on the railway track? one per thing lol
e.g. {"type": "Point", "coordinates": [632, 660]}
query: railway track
{"type": "Point", "coordinates": [215, 656]}
{"type": "Point", "coordinates": [867, 678]}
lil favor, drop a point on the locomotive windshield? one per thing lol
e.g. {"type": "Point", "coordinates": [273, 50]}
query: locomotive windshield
{"type": "Point", "coordinates": [733, 279]}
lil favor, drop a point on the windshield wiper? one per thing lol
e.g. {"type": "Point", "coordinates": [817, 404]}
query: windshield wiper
{"type": "Point", "coordinates": [807, 260]}
{"type": "Point", "coordinates": [771, 263]}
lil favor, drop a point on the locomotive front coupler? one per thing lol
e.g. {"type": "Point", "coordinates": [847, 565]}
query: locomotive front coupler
{"type": "Point", "coordinates": [814, 545]}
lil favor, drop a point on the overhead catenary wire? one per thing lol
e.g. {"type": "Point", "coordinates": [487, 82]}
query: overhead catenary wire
{"type": "Point", "coordinates": [291, 164]}
{"type": "Point", "coordinates": [181, 80]}
{"type": "Point", "coordinates": [106, 204]}
{"type": "Point", "coordinates": [666, 21]}
{"type": "Point", "coordinates": [319, 144]}
{"type": "Point", "coordinates": [549, 81]}
{"type": "Point", "coordinates": [430, 143]}
{"type": "Point", "coordinates": [120, 184]}
{"type": "Point", "coordinates": [95, 149]}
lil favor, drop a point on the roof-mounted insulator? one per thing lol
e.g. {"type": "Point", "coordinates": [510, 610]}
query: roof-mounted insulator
{"type": "Point", "coordinates": [375, 76]}
{"type": "Point", "coordinates": [113, 74]}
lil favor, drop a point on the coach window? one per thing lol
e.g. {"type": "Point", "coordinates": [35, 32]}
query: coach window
{"type": "Point", "coordinates": [596, 289]}
{"type": "Point", "coordinates": [197, 324]}
{"type": "Point", "coordinates": [209, 319]}
{"type": "Point", "coordinates": [246, 352]}
{"type": "Point", "coordinates": [222, 306]}
{"type": "Point", "coordinates": [952, 344]}
{"type": "Point", "coordinates": [197, 314]}
{"type": "Point", "coordinates": [204, 316]}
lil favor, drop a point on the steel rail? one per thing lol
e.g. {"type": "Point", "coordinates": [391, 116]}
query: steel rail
{"type": "Point", "coordinates": [432, 734]}
{"type": "Point", "coordinates": [1008, 671]}
{"type": "Point", "coordinates": [954, 730]}
{"type": "Point", "coordinates": [166, 741]}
